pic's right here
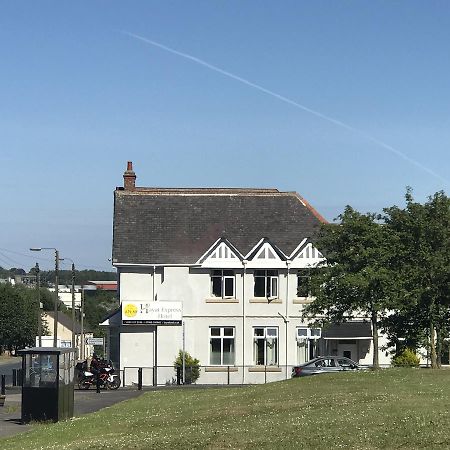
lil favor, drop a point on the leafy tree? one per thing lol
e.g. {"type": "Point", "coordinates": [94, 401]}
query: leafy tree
{"type": "Point", "coordinates": [97, 305]}
{"type": "Point", "coordinates": [18, 317]}
{"type": "Point", "coordinates": [355, 280]}
{"type": "Point", "coordinates": [422, 261]}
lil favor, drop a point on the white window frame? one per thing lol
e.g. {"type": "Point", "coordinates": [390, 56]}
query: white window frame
{"type": "Point", "coordinates": [222, 336]}
{"type": "Point", "coordinates": [270, 282]}
{"type": "Point", "coordinates": [265, 337]}
{"type": "Point", "coordinates": [309, 333]}
{"type": "Point", "coordinates": [223, 279]}
{"type": "Point", "coordinates": [308, 341]}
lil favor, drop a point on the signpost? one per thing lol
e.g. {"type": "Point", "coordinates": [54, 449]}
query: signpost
{"type": "Point", "coordinates": [95, 341]}
{"type": "Point", "coordinates": [100, 341]}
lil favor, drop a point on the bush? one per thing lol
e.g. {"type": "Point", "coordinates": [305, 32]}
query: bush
{"type": "Point", "coordinates": [407, 358]}
{"type": "Point", "coordinates": [192, 367]}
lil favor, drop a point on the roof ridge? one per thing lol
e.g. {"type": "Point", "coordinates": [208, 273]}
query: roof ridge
{"type": "Point", "coordinates": [205, 191]}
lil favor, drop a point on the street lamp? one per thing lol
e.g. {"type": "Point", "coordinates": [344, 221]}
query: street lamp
{"type": "Point", "coordinates": [73, 300]}
{"type": "Point", "coordinates": [55, 325]}
{"type": "Point", "coordinates": [38, 285]}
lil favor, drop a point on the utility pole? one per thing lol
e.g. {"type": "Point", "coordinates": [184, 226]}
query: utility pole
{"type": "Point", "coordinates": [82, 322]}
{"type": "Point", "coordinates": [38, 286]}
{"type": "Point", "coordinates": [55, 326]}
{"type": "Point", "coordinates": [73, 305]}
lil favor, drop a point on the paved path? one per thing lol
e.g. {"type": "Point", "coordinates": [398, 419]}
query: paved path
{"type": "Point", "coordinates": [85, 402]}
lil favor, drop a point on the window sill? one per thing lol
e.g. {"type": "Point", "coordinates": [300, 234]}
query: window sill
{"type": "Point", "coordinates": [265, 300]}
{"type": "Point", "coordinates": [221, 300]}
{"type": "Point", "coordinates": [221, 369]}
{"type": "Point", "coordinates": [265, 369]}
{"type": "Point", "coordinates": [302, 300]}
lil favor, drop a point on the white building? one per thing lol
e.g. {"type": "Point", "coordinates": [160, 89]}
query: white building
{"type": "Point", "coordinates": [65, 295]}
{"type": "Point", "coordinates": [237, 260]}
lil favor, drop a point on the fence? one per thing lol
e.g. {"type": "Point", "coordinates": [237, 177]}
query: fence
{"type": "Point", "coordinates": [204, 375]}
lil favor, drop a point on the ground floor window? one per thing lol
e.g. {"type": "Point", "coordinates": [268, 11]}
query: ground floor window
{"type": "Point", "coordinates": [221, 343]}
{"type": "Point", "coordinates": [307, 343]}
{"type": "Point", "coordinates": [265, 346]}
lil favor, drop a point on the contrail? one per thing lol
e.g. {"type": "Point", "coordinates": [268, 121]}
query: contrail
{"type": "Point", "coordinates": [290, 102]}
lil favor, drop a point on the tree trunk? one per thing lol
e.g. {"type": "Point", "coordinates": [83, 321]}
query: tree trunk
{"type": "Point", "coordinates": [376, 363]}
{"type": "Point", "coordinates": [439, 340]}
{"type": "Point", "coordinates": [433, 355]}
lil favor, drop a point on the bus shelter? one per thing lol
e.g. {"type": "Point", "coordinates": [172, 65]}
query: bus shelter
{"type": "Point", "coordinates": [48, 383]}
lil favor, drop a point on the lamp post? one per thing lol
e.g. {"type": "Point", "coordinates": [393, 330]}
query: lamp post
{"type": "Point", "coordinates": [55, 325]}
{"type": "Point", "coordinates": [38, 286]}
{"type": "Point", "coordinates": [73, 299]}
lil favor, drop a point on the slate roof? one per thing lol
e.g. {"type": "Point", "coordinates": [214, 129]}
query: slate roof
{"type": "Point", "coordinates": [177, 226]}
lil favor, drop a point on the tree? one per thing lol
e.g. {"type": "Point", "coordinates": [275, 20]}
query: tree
{"type": "Point", "coordinates": [97, 305]}
{"type": "Point", "coordinates": [422, 261]}
{"type": "Point", "coordinates": [18, 316]}
{"type": "Point", "coordinates": [355, 280]}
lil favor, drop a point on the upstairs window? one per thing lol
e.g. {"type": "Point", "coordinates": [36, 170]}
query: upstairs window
{"type": "Point", "coordinates": [222, 283]}
{"type": "Point", "coordinates": [266, 283]}
{"type": "Point", "coordinates": [304, 283]}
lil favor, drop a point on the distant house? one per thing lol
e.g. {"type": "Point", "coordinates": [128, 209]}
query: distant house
{"type": "Point", "coordinates": [232, 266]}
{"type": "Point", "coordinates": [65, 329]}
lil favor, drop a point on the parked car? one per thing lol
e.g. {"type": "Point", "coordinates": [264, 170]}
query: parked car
{"type": "Point", "coordinates": [325, 364]}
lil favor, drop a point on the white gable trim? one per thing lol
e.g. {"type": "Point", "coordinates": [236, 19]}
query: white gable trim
{"type": "Point", "coordinates": [222, 254]}
{"type": "Point", "coordinates": [266, 255]}
{"type": "Point", "coordinates": [297, 249]}
{"type": "Point", "coordinates": [308, 256]}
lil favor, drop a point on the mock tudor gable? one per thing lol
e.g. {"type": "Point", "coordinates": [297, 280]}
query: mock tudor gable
{"type": "Point", "coordinates": [177, 226]}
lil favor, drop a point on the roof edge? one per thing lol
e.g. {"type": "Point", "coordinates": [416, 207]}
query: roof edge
{"type": "Point", "coordinates": [308, 205]}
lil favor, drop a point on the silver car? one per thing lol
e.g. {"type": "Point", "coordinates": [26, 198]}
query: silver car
{"type": "Point", "coordinates": [325, 364]}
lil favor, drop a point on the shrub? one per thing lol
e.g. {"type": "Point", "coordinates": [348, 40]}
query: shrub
{"type": "Point", "coordinates": [407, 358]}
{"type": "Point", "coordinates": [192, 367]}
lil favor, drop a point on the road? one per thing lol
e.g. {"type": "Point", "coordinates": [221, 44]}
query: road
{"type": "Point", "coordinates": [7, 365]}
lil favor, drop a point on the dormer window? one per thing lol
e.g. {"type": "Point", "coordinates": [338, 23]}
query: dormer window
{"type": "Point", "coordinates": [266, 283]}
{"type": "Point", "coordinates": [222, 283]}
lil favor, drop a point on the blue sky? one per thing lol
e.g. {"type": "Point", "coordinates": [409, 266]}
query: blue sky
{"type": "Point", "coordinates": [79, 98]}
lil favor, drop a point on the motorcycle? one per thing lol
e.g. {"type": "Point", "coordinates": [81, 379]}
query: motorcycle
{"type": "Point", "coordinates": [107, 378]}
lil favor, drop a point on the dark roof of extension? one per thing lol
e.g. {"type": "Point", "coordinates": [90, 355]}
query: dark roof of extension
{"type": "Point", "coordinates": [177, 226]}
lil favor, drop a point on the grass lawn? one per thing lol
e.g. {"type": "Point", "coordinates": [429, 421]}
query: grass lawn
{"type": "Point", "coordinates": [394, 408]}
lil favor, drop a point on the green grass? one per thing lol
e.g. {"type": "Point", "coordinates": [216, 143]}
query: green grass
{"type": "Point", "coordinates": [395, 408]}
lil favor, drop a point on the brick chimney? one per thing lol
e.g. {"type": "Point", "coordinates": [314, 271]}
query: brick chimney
{"type": "Point", "coordinates": [129, 178]}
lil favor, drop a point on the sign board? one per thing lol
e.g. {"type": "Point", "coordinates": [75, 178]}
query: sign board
{"type": "Point", "coordinates": [152, 313]}
{"type": "Point", "coordinates": [94, 341]}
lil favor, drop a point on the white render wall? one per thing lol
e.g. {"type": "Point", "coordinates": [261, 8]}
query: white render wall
{"type": "Point", "coordinates": [192, 286]}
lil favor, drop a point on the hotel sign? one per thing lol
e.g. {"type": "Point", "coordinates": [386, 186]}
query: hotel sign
{"type": "Point", "coordinates": [152, 313]}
